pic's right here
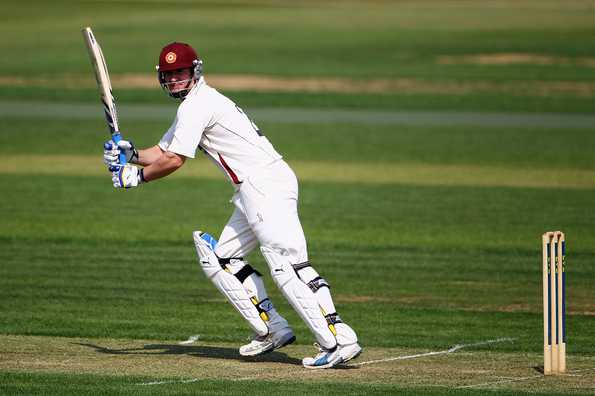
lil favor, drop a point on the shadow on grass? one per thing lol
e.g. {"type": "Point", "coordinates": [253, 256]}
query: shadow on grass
{"type": "Point", "coordinates": [199, 351]}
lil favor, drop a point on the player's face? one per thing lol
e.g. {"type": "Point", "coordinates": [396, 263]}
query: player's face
{"type": "Point", "coordinates": [178, 80]}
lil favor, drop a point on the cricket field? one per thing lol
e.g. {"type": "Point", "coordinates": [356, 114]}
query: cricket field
{"type": "Point", "coordinates": [434, 141]}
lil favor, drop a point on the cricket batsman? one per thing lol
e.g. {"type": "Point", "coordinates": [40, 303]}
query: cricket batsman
{"type": "Point", "coordinates": [265, 212]}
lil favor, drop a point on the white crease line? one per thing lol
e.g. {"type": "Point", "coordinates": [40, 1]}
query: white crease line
{"type": "Point", "coordinates": [187, 381]}
{"type": "Point", "coordinates": [572, 373]}
{"type": "Point", "coordinates": [192, 339]}
{"type": "Point", "coordinates": [444, 352]}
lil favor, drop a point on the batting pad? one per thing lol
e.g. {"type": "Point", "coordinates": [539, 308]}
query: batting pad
{"type": "Point", "coordinates": [299, 295]}
{"type": "Point", "coordinates": [228, 285]}
{"type": "Point", "coordinates": [345, 334]}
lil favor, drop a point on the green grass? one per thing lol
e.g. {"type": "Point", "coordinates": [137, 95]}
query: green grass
{"type": "Point", "coordinates": [526, 148]}
{"type": "Point", "coordinates": [393, 39]}
{"type": "Point", "coordinates": [413, 266]}
{"type": "Point", "coordinates": [15, 383]}
{"type": "Point", "coordinates": [359, 40]}
{"type": "Point", "coordinates": [493, 102]}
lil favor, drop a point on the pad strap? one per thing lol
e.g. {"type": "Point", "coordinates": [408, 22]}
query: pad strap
{"type": "Point", "coordinates": [245, 272]}
{"type": "Point", "coordinates": [299, 266]}
{"type": "Point", "coordinates": [263, 308]}
{"type": "Point", "coordinates": [225, 261]}
{"type": "Point", "coordinates": [333, 318]}
{"type": "Point", "coordinates": [317, 283]}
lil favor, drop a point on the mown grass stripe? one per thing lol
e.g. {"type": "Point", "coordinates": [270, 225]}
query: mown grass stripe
{"type": "Point", "coordinates": [272, 83]}
{"type": "Point", "coordinates": [335, 172]}
{"type": "Point", "coordinates": [85, 111]}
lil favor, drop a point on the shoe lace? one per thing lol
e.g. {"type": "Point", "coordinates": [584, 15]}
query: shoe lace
{"type": "Point", "coordinates": [321, 350]}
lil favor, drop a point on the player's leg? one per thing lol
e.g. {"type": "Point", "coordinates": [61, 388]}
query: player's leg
{"type": "Point", "coordinates": [271, 209]}
{"type": "Point", "coordinates": [235, 242]}
{"type": "Point", "coordinates": [346, 337]}
{"type": "Point", "coordinates": [242, 285]}
{"type": "Point", "coordinates": [304, 303]}
{"type": "Point", "coordinates": [227, 283]}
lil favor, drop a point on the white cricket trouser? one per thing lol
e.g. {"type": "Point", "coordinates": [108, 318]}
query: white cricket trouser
{"type": "Point", "coordinates": [266, 214]}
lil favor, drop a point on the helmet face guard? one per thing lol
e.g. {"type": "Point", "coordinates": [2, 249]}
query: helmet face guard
{"type": "Point", "coordinates": [178, 56]}
{"type": "Point", "coordinates": [195, 74]}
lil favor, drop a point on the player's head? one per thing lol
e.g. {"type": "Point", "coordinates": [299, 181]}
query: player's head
{"type": "Point", "coordinates": [178, 70]}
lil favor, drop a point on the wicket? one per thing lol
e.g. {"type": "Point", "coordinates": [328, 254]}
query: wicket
{"type": "Point", "coordinates": [554, 303]}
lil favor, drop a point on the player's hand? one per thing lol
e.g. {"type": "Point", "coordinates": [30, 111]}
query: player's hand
{"type": "Point", "coordinates": [111, 152]}
{"type": "Point", "coordinates": [126, 176]}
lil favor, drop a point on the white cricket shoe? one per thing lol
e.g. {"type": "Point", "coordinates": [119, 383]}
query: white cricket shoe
{"type": "Point", "coordinates": [326, 358]}
{"type": "Point", "coordinates": [349, 352]}
{"type": "Point", "coordinates": [263, 344]}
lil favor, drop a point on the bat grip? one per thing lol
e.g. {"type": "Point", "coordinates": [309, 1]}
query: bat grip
{"type": "Point", "coordinates": [116, 137]}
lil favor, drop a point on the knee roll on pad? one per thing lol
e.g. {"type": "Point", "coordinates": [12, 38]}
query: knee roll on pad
{"type": "Point", "coordinates": [299, 295]}
{"type": "Point", "coordinates": [229, 286]}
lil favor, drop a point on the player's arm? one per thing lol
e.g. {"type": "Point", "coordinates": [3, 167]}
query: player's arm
{"type": "Point", "coordinates": [165, 164]}
{"type": "Point", "coordinates": [128, 176]}
{"type": "Point", "coordinates": [146, 157]}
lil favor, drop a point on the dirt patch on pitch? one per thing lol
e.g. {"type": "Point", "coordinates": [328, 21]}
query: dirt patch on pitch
{"type": "Point", "coordinates": [167, 360]}
{"type": "Point", "coordinates": [349, 298]}
{"type": "Point", "coordinates": [506, 58]}
{"type": "Point", "coordinates": [264, 83]}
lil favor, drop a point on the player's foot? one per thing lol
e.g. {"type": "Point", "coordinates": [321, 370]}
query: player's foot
{"type": "Point", "coordinates": [263, 344]}
{"type": "Point", "coordinates": [349, 352]}
{"type": "Point", "coordinates": [326, 358]}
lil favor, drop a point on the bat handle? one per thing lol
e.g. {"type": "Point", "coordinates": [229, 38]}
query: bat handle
{"type": "Point", "coordinates": [116, 137]}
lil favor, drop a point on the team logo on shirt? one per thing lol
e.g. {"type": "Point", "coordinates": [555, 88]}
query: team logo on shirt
{"type": "Point", "coordinates": [170, 57]}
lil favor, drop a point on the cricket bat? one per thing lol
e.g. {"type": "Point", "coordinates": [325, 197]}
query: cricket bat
{"type": "Point", "coordinates": [104, 85]}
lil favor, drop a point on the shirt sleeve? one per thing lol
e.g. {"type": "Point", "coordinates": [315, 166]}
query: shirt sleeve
{"type": "Point", "coordinates": [191, 121]}
{"type": "Point", "coordinates": [167, 137]}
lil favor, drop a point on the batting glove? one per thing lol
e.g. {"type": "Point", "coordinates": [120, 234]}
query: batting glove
{"type": "Point", "coordinates": [127, 176]}
{"type": "Point", "coordinates": [111, 152]}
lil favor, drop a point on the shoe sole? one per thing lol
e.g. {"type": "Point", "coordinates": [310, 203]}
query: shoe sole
{"type": "Point", "coordinates": [257, 352]}
{"type": "Point", "coordinates": [270, 348]}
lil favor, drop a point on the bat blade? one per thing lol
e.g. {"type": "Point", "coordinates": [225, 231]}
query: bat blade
{"type": "Point", "coordinates": [104, 85]}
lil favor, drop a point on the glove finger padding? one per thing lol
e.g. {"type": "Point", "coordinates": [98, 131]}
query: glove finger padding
{"type": "Point", "coordinates": [110, 158]}
{"type": "Point", "coordinates": [110, 154]}
{"type": "Point", "coordinates": [127, 147]}
{"type": "Point", "coordinates": [126, 176]}
{"type": "Point", "coordinates": [109, 145]}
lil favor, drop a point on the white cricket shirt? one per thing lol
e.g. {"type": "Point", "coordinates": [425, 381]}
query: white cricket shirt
{"type": "Point", "coordinates": [209, 121]}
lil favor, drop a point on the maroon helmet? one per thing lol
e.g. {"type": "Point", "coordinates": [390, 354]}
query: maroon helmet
{"type": "Point", "coordinates": [177, 56]}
